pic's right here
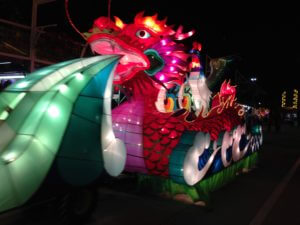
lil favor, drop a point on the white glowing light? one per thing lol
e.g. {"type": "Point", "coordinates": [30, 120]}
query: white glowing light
{"type": "Point", "coordinates": [53, 111]}
{"type": "Point", "coordinates": [9, 157]}
{"type": "Point", "coordinates": [4, 115]}
{"type": "Point", "coordinates": [22, 84]}
{"type": "Point", "coordinates": [79, 76]}
{"type": "Point", "coordinates": [11, 77]}
{"type": "Point", "coordinates": [110, 137]}
{"type": "Point", "coordinates": [162, 77]}
{"type": "Point", "coordinates": [163, 42]}
{"type": "Point", "coordinates": [63, 88]}
{"type": "Point", "coordinates": [174, 61]}
{"type": "Point", "coordinates": [191, 173]}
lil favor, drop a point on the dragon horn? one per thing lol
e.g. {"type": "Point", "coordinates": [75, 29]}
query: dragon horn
{"type": "Point", "coordinates": [180, 36]}
{"type": "Point", "coordinates": [119, 23]}
{"type": "Point", "coordinates": [138, 17]}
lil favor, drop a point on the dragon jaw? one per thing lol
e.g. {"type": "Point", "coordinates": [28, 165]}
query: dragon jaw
{"type": "Point", "coordinates": [131, 63]}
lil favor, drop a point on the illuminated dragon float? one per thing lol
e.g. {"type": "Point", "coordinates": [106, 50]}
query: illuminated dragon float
{"type": "Point", "coordinates": [57, 125]}
{"type": "Point", "coordinates": [175, 132]}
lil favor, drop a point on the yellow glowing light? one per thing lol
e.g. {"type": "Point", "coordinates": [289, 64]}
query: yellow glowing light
{"type": "Point", "coordinates": [150, 23]}
{"type": "Point", "coordinates": [283, 99]}
{"type": "Point", "coordinates": [295, 99]}
{"type": "Point", "coordinates": [170, 105]}
{"type": "Point", "coordinates": [119, 22]}
{"type": "Point", "coordinates": [195, 65]}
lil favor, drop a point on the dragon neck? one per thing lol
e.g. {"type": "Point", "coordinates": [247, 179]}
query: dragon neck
{"type": "Point", "coordinates": [142, 90]}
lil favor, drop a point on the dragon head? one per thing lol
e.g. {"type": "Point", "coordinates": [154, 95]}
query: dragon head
{"type": "Point", "coordinates": [147, 45]}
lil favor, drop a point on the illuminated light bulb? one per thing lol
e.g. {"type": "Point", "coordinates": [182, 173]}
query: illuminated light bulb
{"type": "Point", "coordinates": [4, 115]}
{"type": "Point", "coordinates": [53, 111]}
{"type": "Point", "coordinates": [190, 33]}
{"type": "Point", "coordinates": [174, 61]}
{"type": "Point", "coordinates": [168, 53]}
{"type": "Point", "coordinates": [117, 124]}
{"type": "Point", "coordinates": [22, 84]}
{"type": "Point", "coordinates": [63, 88]}
{"type": "Point", "coordinates": [79, 76]}
{"type": "Point", "coordinates": [137, 123]}
{"type": "Point", "coordinates": [110, 137]}
{"type": "Point", "coordinates": [172, 68]}
{"type": "Point", "coordinates": [162, 77]}
{"type": "Point", "coordinates": [150, 22]}
{"type": "Point", "coordinates": [9, 157]}
{"type": "Point", "coordinates": [163, 42]}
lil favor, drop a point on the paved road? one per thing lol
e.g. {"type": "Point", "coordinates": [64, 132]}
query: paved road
{"type": "Point", "coordinates": [267, 195]}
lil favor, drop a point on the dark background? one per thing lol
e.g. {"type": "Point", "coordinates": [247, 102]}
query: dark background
{"type": "Point", "coordinates": [262, 38]}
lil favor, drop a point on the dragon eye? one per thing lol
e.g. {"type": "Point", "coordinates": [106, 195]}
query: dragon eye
{"type": "Point", "coordinates": [142, 34]}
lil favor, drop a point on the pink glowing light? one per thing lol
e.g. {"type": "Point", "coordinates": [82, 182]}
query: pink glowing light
{"type": "Point", "coordinates": [163, 42]}
{"type": "Point", "coordinates": [172, 68]}
{"type": "Point", "coordinates": [162, 77]}
{"type": "Point", "coordinates": [190, 33]}
{"type": "Point", "coordinates": [174, 61]}
{"type": "Point", "coordinates": [168, 53]}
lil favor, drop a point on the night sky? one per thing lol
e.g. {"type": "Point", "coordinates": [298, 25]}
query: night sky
{"type": "Point", "coordinates": [263, 39]}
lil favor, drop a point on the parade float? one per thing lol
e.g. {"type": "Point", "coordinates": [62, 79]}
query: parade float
{"type": "Point", "coordinates": [57, 126]}
{"type": "Point", "coordinates": [180, 137]}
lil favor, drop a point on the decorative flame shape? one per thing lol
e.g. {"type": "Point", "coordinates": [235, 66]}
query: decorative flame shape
{"type": "Point", "coordinates": [119, 23]}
